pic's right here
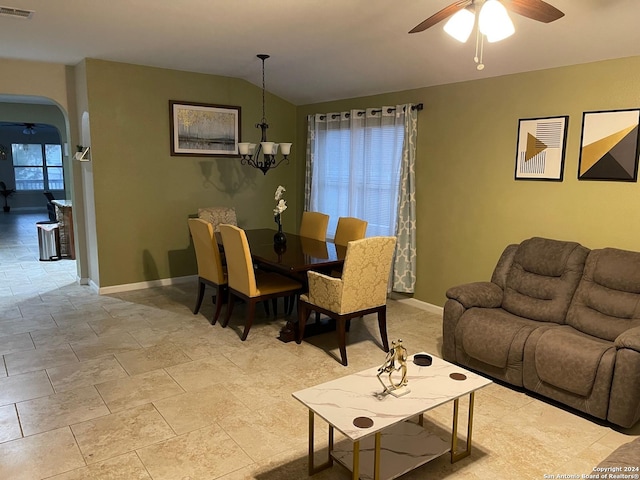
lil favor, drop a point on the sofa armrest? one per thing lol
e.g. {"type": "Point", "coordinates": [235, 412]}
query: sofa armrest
{"type": "Point", "coordinates": [478, 294]}
{"type": "Point", "coordinates": [629, 339]}
{"type": "Point", "coordinates": [624, 397]}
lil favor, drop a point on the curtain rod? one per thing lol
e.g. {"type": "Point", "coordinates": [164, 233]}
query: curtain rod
{"type": "Point", "coordinates": [418, 106]}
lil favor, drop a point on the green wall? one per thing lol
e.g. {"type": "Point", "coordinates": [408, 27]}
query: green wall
{"type": "Point", "coordinates": [469, 205]}
{"type": "Point", "coordinates": [143, 195]}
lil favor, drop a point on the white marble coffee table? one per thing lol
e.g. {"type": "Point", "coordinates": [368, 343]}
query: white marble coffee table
{"type": "Point", "coordinates": [391, 446]}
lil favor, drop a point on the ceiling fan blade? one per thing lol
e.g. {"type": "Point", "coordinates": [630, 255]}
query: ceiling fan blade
{"type": "Point", "coordinates": [441, 15]}
{"type": "Point", "coordinates": [536, 10]}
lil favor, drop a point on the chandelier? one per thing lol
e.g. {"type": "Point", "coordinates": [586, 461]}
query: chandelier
{"type": "Point", "coordinates": [251, 152]}
{"type": "Point", "coordinates": [493, 23]}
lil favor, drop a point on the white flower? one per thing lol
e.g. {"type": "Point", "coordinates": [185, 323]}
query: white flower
{"type": "Point", "coordinates": [280, 207]}
{"type": "Point", "coordinates": [279, 191]}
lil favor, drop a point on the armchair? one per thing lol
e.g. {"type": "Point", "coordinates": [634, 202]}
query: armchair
{"type": "Point", "coordinates": [360, 291]}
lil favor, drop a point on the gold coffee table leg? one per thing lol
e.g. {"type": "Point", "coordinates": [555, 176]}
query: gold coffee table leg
{"type": "Point", "coordinates": [356, 460]}
{"type": "Point", "coordinates": [313, 469]}
{"type": "Point", "coordinates": [376, 458]}
{"type": "Point", "coordinates": [455, 454]}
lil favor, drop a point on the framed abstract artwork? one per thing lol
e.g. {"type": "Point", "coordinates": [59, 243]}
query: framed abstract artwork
{"type": "Point", "coordinates": [609, 146]}
{"type": "Point", "coordinates": [199, 129]}
{"type": "Point", "coordinates": [541, 148]}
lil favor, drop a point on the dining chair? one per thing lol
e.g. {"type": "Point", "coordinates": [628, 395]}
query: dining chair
{"type": "Point", "coordinates": [314, 225]}
{"type": "Point", "coordinates": [349, 228]}
{"type": "Point", "coordinates": [360, 291]}
{"type": "Point", "coordinates": [244, 283]}
{"type": "Point", "coordinates": [218, 215]}
{"type": "Point", "coordinates": [51, 208]}
{"type": "Point", "coordinates": [210, 269]}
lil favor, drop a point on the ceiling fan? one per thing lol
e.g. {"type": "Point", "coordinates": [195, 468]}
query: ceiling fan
{"type": "Point", "coordinates": [493, 19]}
{"type": "Point", "coordinates": [533, 9]}
{"type": "Point", "coordinates": [27, 127]}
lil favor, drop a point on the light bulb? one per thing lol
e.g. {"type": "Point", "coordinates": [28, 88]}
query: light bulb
{"type": "Point", "coordinates": [494, 21]}
{"type": "Point", "coordinates": [460, 25]}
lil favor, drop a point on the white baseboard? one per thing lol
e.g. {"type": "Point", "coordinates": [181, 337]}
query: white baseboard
{"type": "Point", "coordinates": [94, 286]}
{"type": "Point", "coordinates": [429, 307]}
{"type": "Point", "coordinates": [163, 282]}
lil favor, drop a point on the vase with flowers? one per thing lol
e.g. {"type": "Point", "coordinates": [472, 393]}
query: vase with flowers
{"type": "Point", "coordinates": [281, 205]}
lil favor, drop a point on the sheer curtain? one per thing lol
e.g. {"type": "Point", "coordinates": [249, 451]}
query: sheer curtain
{"type": "Point", "coordinates": [357, 166]}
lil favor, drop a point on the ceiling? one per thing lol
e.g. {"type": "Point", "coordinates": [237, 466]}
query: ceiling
{"type": "Point", "coordinates": [320, 49]}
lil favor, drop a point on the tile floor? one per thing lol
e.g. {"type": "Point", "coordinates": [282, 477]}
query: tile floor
{"type": "Point", "coordinates": [134, 386]}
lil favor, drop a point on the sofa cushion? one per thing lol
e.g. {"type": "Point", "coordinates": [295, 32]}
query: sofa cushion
{"type": "Point", "coordinates": [488, 334]}
{"type": "Point", "coordinates": [626, 455]}
{"type": "Point", "coordinates": [568, 360]}
{"type": "Point", "coordinates": [543, 256]}
{"type": "Point", "coordinates": [543, 278]}
{"type": "Point", "coordinates": [607, 301]}
{"type": "Point", "coordinates": [617, 269]}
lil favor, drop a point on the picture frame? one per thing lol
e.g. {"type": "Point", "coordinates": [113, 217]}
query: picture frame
{"type": "Point", "coordinates": [202, 129]}
{"type": "Point", "coordinates": [541, 148]}
{"type": "Point", "coordinates": [609, 145]}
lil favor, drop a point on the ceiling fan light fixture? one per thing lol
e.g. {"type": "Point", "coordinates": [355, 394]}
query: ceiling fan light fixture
{"type": "Point", "coordinates": [461, 24]}
{"type": "Point", "coordinates": [494, 21]}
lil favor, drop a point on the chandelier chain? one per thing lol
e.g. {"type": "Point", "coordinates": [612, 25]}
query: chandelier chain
{"type": "Point", "coordinates": [264, 114]}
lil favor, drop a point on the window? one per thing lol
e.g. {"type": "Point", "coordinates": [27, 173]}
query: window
{"type": "Point", "coordinates": [361, 164]}
{"type": "Point", "coordinates": [356, 172]}
{"type": "Point", "coordinates": [37, 166]}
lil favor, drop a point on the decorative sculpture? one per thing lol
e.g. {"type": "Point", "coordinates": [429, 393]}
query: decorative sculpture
{"type": "Point", "coordinates": [396, 362]}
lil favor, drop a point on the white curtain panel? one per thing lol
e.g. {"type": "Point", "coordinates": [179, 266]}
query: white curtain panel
{"type": "Point", "coordinates": [356, 168]}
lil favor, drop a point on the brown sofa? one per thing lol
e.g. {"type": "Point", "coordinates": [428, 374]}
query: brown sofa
{"type": "Point", "coordinates": [557, 319]}
{"type": "Point", "coordinates": [625, 459]}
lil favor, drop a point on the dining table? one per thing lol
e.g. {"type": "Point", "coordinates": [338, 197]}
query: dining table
{"type": "Point", "coordinates": [294, 258]}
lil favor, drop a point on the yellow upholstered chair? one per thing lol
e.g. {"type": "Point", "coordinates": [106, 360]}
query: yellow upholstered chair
{"type": "Point", "coordinates": [243, 281]}
{"type": "Point", "coordinates": [361, 290]}
{"type": "Point", "coordinates": [210, 269]}
{"type": "Point", "coordinates": [314, 225]}
{"type": "Point", "coordinates": [218, 215]}
{"type": "Point", "coordinates": [348, 229]}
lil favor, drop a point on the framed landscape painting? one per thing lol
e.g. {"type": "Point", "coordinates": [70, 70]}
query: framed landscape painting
{"type": "Point", "coordinates": [609, 146]}
{"type": "Point", "coordinates": [541, 148]}
{"type": "Point", "coordinates": [199, 129]}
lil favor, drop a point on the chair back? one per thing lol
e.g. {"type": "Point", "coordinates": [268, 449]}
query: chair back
{"type": "Point", "coordinates": [207, 251]}
{"type": "Point", "coordinates": [51, 208]}
{"type": "Point", "coordinates": [240, 274]}
{"type": "Point", "coordinates": [365, 276]}
{"type": "Point", "coordinates": [218, 215]}
{"type": "Point", "coordinates": [348, 229]}
{"type": "Point", "coordinates": [314, 225]}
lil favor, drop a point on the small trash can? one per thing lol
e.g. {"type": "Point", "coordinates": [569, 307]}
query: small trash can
{"type": "Point", "coordinates": [48, 240]}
